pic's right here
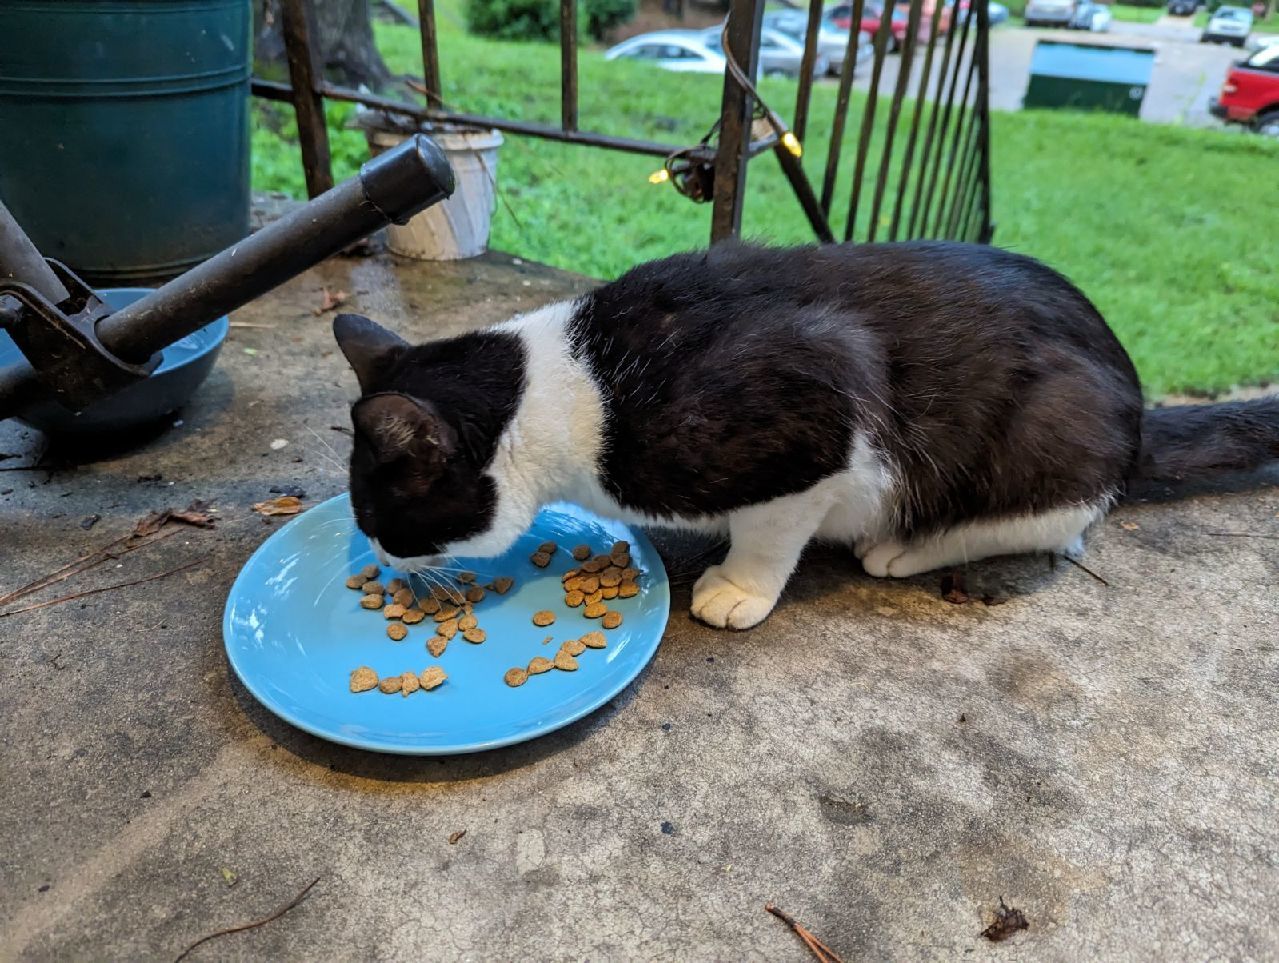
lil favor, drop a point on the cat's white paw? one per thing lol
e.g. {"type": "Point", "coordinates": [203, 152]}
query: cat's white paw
{"type": "Point", "coordinates": [725, 605]}
{"type": "Point", "coordinates": [876, 559]}
{"type": "Point", "coordinates": [894, 560]}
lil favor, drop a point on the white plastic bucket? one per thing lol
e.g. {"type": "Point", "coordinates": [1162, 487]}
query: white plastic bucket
{"type": "Point", "coordinates": [459, 226]}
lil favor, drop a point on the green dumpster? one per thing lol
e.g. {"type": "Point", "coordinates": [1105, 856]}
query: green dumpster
{"type": "Point", "coordinates": [1076, 76]}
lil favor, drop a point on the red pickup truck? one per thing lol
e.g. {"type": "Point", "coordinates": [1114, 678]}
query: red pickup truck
{"type": "Point", "coordinates": [1250, 94]}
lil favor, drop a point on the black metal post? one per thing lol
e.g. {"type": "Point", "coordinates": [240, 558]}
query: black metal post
{"type": "Point", "coordinates": [306, 74]}
{"type": "Point", "coordinates": [568, 64]}
{"type": "Point", "coordinates": [836, 145]}
{"type": "Point", "coordinates": [430, 53]}
{"type": "Point", "coordinates": [745, 19]}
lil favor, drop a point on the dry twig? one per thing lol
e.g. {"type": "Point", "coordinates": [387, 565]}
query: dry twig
{"type": "Point", "coordinates": [819, 949]}
{"type": "Point", "coordinates": [1084, 568]}
{"type": "Point", "coordinates": [1242, 535]}
{"type": "Point", "coordinates": [105, 588]}
{"type": "Point", "coordinates": [252, 925]}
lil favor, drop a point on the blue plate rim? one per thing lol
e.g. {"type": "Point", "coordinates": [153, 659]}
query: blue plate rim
{"type": "Point", "coordinates": [660, 587]}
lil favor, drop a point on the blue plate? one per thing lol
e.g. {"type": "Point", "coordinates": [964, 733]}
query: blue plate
{"type": "Point", "coordinates": [294, 632]}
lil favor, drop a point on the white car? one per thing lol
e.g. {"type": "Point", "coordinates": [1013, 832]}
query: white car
{"type": "Point", "coordinates": [1091, 16]}
{"type": "Point", "coordinates": [779, 54]}
{"type": "Point", "coordinates": [685, 51]}
{"type": "Point", "coordinates": [1228, 25]}
{"type": "Point", "coordinates": [832, 42]}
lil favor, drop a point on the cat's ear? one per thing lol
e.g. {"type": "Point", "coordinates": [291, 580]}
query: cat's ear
{"type": "Point", "coordinates": [397, 425]}
{"type": "Point", "coordinates": [366, 344]}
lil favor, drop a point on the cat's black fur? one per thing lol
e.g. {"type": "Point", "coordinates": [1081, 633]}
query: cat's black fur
{"type": "Point", "coordinates": [739, 374]}
{"type": "Point", "coordinates": [987, 378]}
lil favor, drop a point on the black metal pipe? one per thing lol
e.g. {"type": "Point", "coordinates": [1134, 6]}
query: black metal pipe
{"type": "Point", "coordinates": [390, 188]}
{"type": "Point", "coordinates": [21, 261]}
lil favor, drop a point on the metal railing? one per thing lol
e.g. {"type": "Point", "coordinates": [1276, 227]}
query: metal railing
{"type": "Point", "coordinates": [929, 177]}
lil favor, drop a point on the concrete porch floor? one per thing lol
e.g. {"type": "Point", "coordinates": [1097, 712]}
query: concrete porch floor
{"type": "Point", "coordinates": [883, 765]}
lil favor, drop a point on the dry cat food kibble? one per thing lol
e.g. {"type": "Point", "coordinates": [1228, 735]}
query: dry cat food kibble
{"type": "Point", "coordinates": [355, 582]}
{"type": "Point", "coordinates": [540, 559]}
{"type": "Point", "coordinates": [373, 588]}
{"type": "Point", "coordinates": [475, 594]}
{"type": "Point", "coordinates": [594, 640]}
{"type": "Point", "coordinates": [574, 598]}
{"type": "Point", "coordinates": [515, 677]}
{"type": "Point", "coordinates": [475, 635]}
{"type": "Point", "coordinates": [611, 620]}
{"type": "Point", "coordinates": [547, 548]}
{"type": "Point", "coordinates": [468, 621]}
{"type": "Point", "coordinates": [394, 611]}
{"type": "Point", "coordinates": [503, 584]}
{"type": "Point", "coordinates": [370, 572]}
{"type": "Point", "coordinates": [412, 616]}
{"type": "Point", "coordinates": [397, 632]}
{"type": "Point", "coordinates": [395, 585]}
{"type": "Point", "coordinates": [447, 612]}
{"type": "Point", "coordinates": [609, 592]}
{"type": "Point", "coordinates": [363, 679]}
{"type": "Point", "coordinates": [433, 677]}
{"type": "Point", "coordinates": [543, 618]}
{"type": "Point", "coordinates": [627, 590]}
{"type": "Point", "coordinates": [565, 662]}
{"type": "Point", "coordinates": [595, 610]}
{"type": "Point", "coordinates": [610, 578]}
{"type": "Point", "coordinates": [409, 683]}
{"type": "Point", "coordinates": [429, 605]}
{"type": "Point", "coordinates": [573, 647]}
{"type": "Point", "coordinates": [582, 553]}
{"type": "Point", "coordinates": [536, 666]}
{"type": "Point", "coordinates": [447, 629]}
{"type": "Point", "coordinates": [436, 645]}
{"type": "Point", "coordinates": [371, 602]}
{"type": "Point", "coordinates": [404, 597]}
{"type": "Point", "coordinates": [391, 684]}
{"type": "Point", "coordinates": [621, 560]}
{"type": "Point", "coordinates": [466, 578]}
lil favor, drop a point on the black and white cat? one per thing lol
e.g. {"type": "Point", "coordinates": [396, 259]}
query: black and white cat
{"type": "Point", "coordinates": [926, 403]}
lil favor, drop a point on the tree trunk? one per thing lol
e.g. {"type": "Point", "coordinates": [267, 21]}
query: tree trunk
{"type": "Point", "coordinates": [344, 36]}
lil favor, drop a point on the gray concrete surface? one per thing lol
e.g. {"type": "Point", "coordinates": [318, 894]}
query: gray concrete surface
{"type": "Point", "coordinates": [882, 764]}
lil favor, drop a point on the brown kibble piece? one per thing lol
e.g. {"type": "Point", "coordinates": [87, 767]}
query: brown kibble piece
{"type": "Point", "coordinates": [630, 574]}
{"type": "Point", "coordinates": [412, 616]}
{"type": "Point", "coordinates": [467, 621]}
{"type": "Point", "coordinates": [611, 620]}
{"type": "Point", "coordinates": [574, 599]}
{"type": "Point", "coordinates": [372, 602]}
{"type": "Point", "coordinates": [515, 677]}
{"type": "Point", "coordinates": [404, 597]}
{"type": "Point", "coordinates": [370, 572]}
{"type": "Point", "coordinates": [363, 679]}
{"type": "Point", "coordinates": [548, 548]}
{"type": "Point", "coordinates": [537, 665]}
{"type": "Point", "coordinates": [447, 612]}
{"type": "Point", "coordinates": [397, 632]}
{"type": "Point", "coordinates": [627, 590]}
{"type": "Point", "coordinates": [391, 684]}
{"type": "Point", "coordinates": [589, 584]}
{"type": "Point", "coordinates": [543, 618]}
{"type": "Point", "coordinates": [433, 677]}
{"type": "Point", "coordinates": [540, 559]}
{"type": "Point", "coordinates": [436, 645]}
{"type": "Point", "coordinates": [619, 547]}
{"type": "Point", "coordinates": [595, 610]}
{"type": "Point", "coordinates": [409, 683]}
{"type": "Point", "coordinates": [594, 597]}
{"type": "Point", "coordinates": [394, 611]}
{"type": "Point", "coordinates": [594, 565]}
{"type": "Point", "coordinates": [610, 578]}
{"type": "Point", "coordinates": [475, 594]}
{"type": "Point", "coordinates": [547, 639]}
{"type": "Point", "coordinates": [565, 661]}
{"type": "Point", "coordinates": [395, 585]}
{"type": "Point", "coordinates": [573, 647]}
{"type": "Point", "coordinates": [446, 593]}
{"type": "Point", "coordinates": [571, 573]}
{"type": "Point", "coordinates": [448, 628]}
{"type": "Point", "coordinates": [476, 635]}
{"type": "Point", "coordinates": [356, 582]}
{"type": "Point", "coordinates": [582, 553]}
{"type": "Point", "coordinates": [372, 588]}
{"type": "Point", "coordinates": [502, 584]}
{"type": "Point", "coordinates": [594, 640]}
{"type": "Point", "coordinates": [621, 560]}
{"type": "Point", "coordinates": [609, 592]}
{"type": "Point", "coordinates": [466, 578]}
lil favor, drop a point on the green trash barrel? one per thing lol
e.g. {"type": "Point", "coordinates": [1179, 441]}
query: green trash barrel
{"type": "Point", "coordinates": [124, 138]}
{"type": "Point", "coordinates": [1079, 76]}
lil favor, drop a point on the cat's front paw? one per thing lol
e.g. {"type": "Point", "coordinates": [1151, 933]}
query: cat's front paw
{"type": "Point", "coordinates": [725, 605]}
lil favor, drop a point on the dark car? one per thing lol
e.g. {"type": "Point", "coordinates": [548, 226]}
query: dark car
{"type": "Point", "coordinates": [1182, 8]}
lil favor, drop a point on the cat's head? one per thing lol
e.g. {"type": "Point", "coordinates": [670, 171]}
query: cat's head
{"type": "Point", "coordinates": [424, 434]}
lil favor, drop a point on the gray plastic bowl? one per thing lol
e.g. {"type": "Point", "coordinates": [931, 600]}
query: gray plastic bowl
{"type": "Point", "coordinates": [183, 368]}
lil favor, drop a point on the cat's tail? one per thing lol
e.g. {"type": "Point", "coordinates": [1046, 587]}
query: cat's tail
{"type": "Point", "coordinates": [1195, 443]}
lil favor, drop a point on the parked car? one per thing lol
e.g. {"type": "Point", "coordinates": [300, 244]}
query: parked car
{"type": "Point", "coordinates": [997, 13]}
{"type": "Point", "coordinates": [1250, 94]}
{"type": "Point", "coordinates": [873, 13]}
{"type": "Point", "coordinates": [685, 51]}
{"type": "Point", "coordinates": [1228, 25]}
{"type": "Point", "coordinates": [1049, 13]}
{"type": "Point", "coordinates": [779, 55]}
{"type": "Point", "coordinates": [1182, 8]}
{"type": "Point", "coordinates": [832, 42]}
{"type": "Point", "coordinates": [1090, 15]}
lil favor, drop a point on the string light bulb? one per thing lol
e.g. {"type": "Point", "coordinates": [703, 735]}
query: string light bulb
{"type": "Point", "coordinates": [792, 144]}
{"type": "Point", "coordinates": [659, 176]}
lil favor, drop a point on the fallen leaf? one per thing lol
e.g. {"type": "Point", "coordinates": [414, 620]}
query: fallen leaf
{"type": "Point", "coordinates": [229, 876]}
{"type": "Point", "coordinates": [331, 301]}
{"type": "Point", "coordinates": [197, 514]}
{"type": "Point", "coordinates": [284, 505]}
{"type": "Point", "coordinates": [1129, 526]}
{"type": "Point", "coordinates": [953, 589]}
{"type": "Point", "coordinates": [454, 837]}
{"type": "Point", "coordinates": [1008, 920]}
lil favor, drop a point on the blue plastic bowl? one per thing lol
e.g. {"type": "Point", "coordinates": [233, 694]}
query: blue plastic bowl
{"type": "Point", "coordinates": [183, 368]}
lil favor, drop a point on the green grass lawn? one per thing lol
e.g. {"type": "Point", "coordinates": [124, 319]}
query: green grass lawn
{"type": "Point", "coordinates": [1132, 14]}
{"type": "Point", "coordinates": [1157, 224]}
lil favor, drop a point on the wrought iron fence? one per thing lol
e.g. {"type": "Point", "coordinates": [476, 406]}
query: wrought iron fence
{"type": "Point", "coordinates": [920, 167]}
